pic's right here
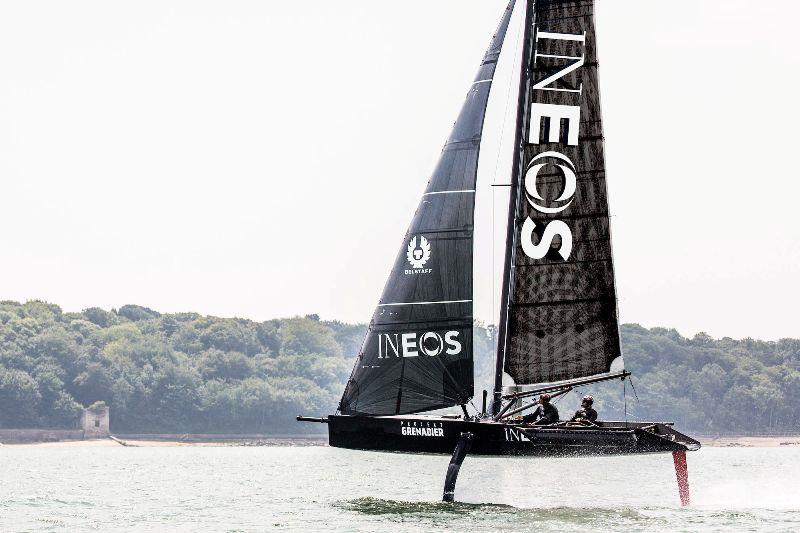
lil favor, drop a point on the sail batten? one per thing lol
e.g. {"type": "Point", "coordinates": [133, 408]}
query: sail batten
{"type": "Point", "coordinates": [417, 354]}
{"type": "Point", "coordinates": [426, 303]}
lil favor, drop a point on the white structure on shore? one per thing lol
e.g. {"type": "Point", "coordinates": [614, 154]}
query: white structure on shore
{"type": "Point", "coordinates": [95, 421]}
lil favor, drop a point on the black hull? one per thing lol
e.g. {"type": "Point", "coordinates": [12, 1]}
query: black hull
{"type": "Point", "coordinates": [439, 435]}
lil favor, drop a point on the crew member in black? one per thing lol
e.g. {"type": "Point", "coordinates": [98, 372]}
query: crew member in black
{"type": "Point", "coordinates": [545, 413]}
{"type": "Point", "coordinates": [585, 413]}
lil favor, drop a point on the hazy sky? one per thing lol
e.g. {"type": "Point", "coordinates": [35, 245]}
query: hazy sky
{"type": "Point", "coordinates": [263, 159]}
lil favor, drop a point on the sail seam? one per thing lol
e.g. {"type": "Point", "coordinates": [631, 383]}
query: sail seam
{"type": "Point", "coordinates": [578, 262]}
{"type": "Point", "coordinates": [560, 302]}
{"type": "Point", "coordinates": [569, 217]}
{"type": "Point", "coordinates": [468, 144]}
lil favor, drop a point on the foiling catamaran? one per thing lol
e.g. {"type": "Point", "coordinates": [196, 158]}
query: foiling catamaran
{"type": "Point", "coordinates": [558, 325]}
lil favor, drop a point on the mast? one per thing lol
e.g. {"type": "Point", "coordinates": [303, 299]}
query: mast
{"type": "Point", "coordinates": [523, 106]}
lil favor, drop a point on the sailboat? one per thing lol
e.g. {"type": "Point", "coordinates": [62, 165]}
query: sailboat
{"type": "Point", "coordinates": [558, 326]}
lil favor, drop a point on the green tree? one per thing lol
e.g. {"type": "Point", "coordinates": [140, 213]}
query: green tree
{"type": "Point", "coordinates": [19, 399]}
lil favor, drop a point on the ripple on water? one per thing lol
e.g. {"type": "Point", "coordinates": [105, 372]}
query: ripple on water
{"type": "Point", "coordinates": [496, 514]}
{"type": "Point", "coordinates": [272, 488]}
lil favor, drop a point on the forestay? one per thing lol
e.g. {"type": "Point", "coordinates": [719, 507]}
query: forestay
{"type": "Point", "coordinates": [417, 354]}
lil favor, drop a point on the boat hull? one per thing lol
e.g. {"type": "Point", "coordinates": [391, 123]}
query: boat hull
{"type": "Point", "coordinates": [439, 435]}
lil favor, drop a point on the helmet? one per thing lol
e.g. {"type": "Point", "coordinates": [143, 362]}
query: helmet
{"type": "Point", "coordinates": [545, 397]}
{"type": "Point", "coordinates": [588, 398]}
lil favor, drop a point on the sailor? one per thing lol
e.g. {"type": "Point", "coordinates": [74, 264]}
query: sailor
{"type": "Point", "coordinates": [545, 413]}
{"type": "Point", "coordinates": [585, 413]}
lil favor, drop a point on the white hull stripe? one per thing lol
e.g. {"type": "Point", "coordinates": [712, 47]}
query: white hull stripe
{"type": "Point", "coordinates": [482, 81]}
{"type": "Point", "coordinates": [427, 303]}
{"type": "Point", "coordinates": [448, 192]}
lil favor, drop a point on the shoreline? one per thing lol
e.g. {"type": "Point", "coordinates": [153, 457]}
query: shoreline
{"type": "Point", "coordinates": [158, 441]}
{"type": "Point", "coordinates": [750, 442]}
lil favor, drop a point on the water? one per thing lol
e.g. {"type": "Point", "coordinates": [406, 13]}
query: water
{"type": "Point", "coordinates": [316, 488]}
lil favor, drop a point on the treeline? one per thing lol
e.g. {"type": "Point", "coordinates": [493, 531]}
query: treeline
{"type": "Point", "coordinates": [169, 373]}
{"type": "Point", "coordinates": [713, 386]}
{"type": "Point", "coordinates": [187, 373]}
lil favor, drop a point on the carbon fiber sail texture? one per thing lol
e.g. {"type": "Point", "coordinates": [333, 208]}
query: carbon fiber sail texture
{"type": "Point", "coordinates": [562, 314]}
{"type": "Point", "coordinates": [417, 354]}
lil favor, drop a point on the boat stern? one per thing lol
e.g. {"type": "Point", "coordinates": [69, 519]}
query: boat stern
{"type": "Point", "coordinates": [662, 436]}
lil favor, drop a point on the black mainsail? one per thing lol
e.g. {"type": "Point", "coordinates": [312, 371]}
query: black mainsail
{"type": "Point", "coordinates": [559, 315]}
{"type": "Point", "coordinates": [417, 354]}
{"type": "Point", "coordinates": [558, 325]}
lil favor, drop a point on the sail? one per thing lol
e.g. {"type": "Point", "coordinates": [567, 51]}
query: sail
{"type": "Point", "coordinates": [417, 354]}
{"type": "Point", "coordinates": [561, 308]}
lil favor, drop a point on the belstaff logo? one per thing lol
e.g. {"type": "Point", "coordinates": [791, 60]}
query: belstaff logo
{"type": "Point", "coordinates": [418, 255]}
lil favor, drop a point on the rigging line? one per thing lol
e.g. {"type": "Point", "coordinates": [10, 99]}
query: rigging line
{"type": "Point", "coordinates": [473, 405]}
{"type": "Point", "coordinates": [630, 378]}
{"type": "Point", "coordinates": [625, 399]}
{"type": "Point", "coordinates": [497, 162]}
{"type": "Point", "coordinates": [562, 396]}
{"type": "Point", "coordinates": [494, 268]}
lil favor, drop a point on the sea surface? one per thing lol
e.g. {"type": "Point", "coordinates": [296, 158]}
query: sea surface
{"type": "Point", "coordinates": [317, 488]}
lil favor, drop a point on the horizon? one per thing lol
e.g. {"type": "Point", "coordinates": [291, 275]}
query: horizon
{"type": "Point", "coordinates": [195, 156]}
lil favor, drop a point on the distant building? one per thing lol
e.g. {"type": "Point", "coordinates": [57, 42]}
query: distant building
{"type": "Point", "coordinates": [95, 422]}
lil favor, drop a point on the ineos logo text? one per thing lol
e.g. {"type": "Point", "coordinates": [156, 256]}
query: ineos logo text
{"type": "Point", "coordinates": [413, 344]}
{"type": "Point", "coordinates": [557, 116]}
